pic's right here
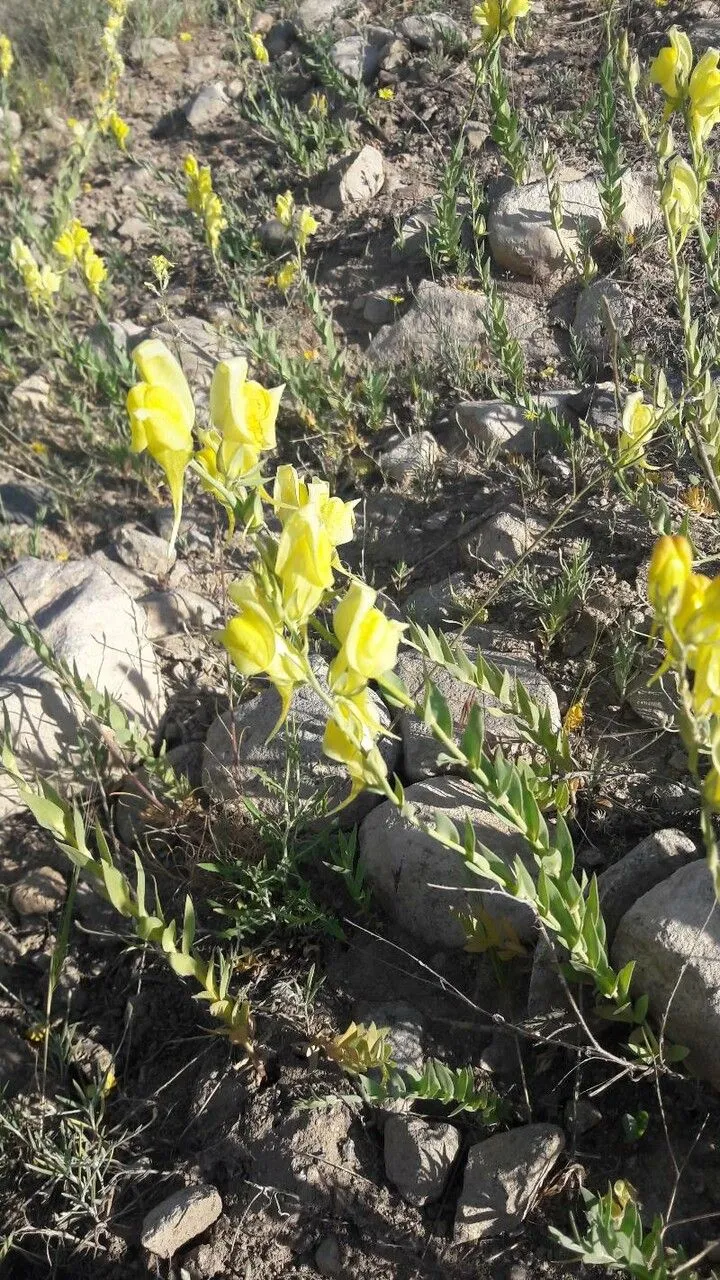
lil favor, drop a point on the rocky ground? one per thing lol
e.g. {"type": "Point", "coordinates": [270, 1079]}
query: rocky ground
{"type": "Point", "coordinates": [197, 1163]}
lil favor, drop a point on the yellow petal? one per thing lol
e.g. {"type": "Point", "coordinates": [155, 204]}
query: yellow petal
{"type": "Point", "coordinates": [158, 366]}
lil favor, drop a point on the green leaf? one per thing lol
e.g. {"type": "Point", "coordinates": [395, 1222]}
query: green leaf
{"type": "Point", "coordinates": [436, 712]}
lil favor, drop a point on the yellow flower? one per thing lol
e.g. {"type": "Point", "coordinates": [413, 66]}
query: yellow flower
{"type": "Point", "coordinates": [93, 269]}
{"type": "Point", "coordinates": [37, 446]}
{"type": "Point", "coordinates": [704, 96]}
{"type": "Point", "coordinates": [291, 494]}
{"type": "Point", "coordinates": [41, 283]}
{"type": "Point", "coordinates": [204, 202]}
{"type": "Point", "coordinates": [256, 646]}
{"type": "Point", "coordinates": [287, 275]}
{"type": "Point", "coordinates": [119, 129]}
{"type": "Point", "coordinates": [350, 738]}
{"type": "Point", "coordinates": [318, 104]}
{"type": "Point", "coordinates": [671, 68]}
{"type": "Point", "coordinates": [257, 45]}
{"type": "Point", "coordinates": [78, 128]}
{"type": "Point", "coordinates": [680, 198]}
{"type": "Point", "coordinates": [310, 354]}
{"type": "Point", "coordinates": [162, 415]}
{"type": "Point", "coordinates": [498, 17]}
{"type": "Point", "coordinates": [574, 718]}
{"type": "Point", "coordinates": [6, 57]}
{"type": "Point", "coordinates": [369, 641]}
{"type": "Point", "coordinates": [244, 413]}
{"type": "Point", "coordinates": [706, 687]}
{"type": "Point", "coordinates": [72, 241]}
{"type": "Point", "coordinates": [185, 37]}
{"type": "Point", "coordinates": [306, 227]}
{"type": "Point", "coordinates": [285, 208]}
{"type": "Point", "coordinates": [304, 563]}
{"type": "Point", "coordinates": [161, 268]}
{"type": "Point", "coordinates": [696, 498]}
{"type": "Point", "coordinates": [669, 572]}
{"type": "Point", "coordinates": [387, 94]}
{"type": "Point", "coordinates": [639, 423]}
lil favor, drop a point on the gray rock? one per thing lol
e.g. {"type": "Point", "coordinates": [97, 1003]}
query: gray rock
{"type": "Point", "coordinates": [409, 457]}
{"type": "Point", "coordinates": [153, 49]}
{"type": "Point", "coordinates": [581, 1116]}
{"type": "Point", "coordinates": [444, 321]}
{"type": "Point", "coordinates": [394, 55]}
{"type": "Point", "coordinates": [328, 1257]}
{"type": "Point", "coordinates": [281, 37]}
{"type": "Point", "coordinates": [649, 863]}
{"type": "Point", "coordinates": [419, 882]}
{"type": "Point", "coordinates": [673, 935]}
{"type": "Point", "coordinates": [21, 503]}
{"type": "Point", "coordinates": [547, 1005]}
{"type": "Point", "coordinates": [705, 34]}
{"type": "Point", "coordinates": [145, 552]}
{"type": "Point", "coordinates": [315, 14]}
{"type": "Point", "coordinates": [10, 125]}
{"type": "Point", "coordinates": [432, 31]}
{"type": "Point", "coordinates": [180, 1218]}
{"type": "Point", "coordinates": [354, 180]}
{"type": "Point", "coordinates": [603, 315]}
{"type": "Point", "coordinates": [502, 1179]}
{"type": "Point", "coordinates": [32, 393]}
{"type": "Point", "coordinates": [405, 1030]}
{"type": "Point", "coordinates": [436, 604]}
{"type": "Point", "coordinates": [420, 748]}
{"type": "Point", "coordinates": [237, 752]}
{"type": "Point", "coordinates": [206, 107]}
{"type": "Point", "coordinates": [601, 411]}
{"type": "Point", "coordinates": [136, 230]}
{"type": "Point", "coordinates": [16, 1062]}
{"type": "Point", "coordinates": [412, 238]}
{"type": "Point", "coordinates": [501, 540]}
{"type": "Point", "coordinates": [419, 1157]}
{"type": "Point", "coordinates": [497, 424]}
{"type": "Point", "coordinates": [654, 701]}
{"type": "Point", "coordinates": [355, 58]}
{"type": "Point", "coordinates": [40, 891]}
{"type": "Point", "coordinates": [93, 625]}
{"type": "Point", "coordinates": [275, 236]}
{"type": "Point", "coordinates": [520, 232]}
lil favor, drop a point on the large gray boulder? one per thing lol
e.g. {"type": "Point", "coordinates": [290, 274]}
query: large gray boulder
{"type": "Point", "coordinates": [420, 883]}
{"type": "Point", "coordinates": [92, 624]}
{"type": "Point", "coordinates": [651, 861]}
{"type": "Point", "coordinates": [673, 935]}
{"type": "Point", "coordinates": [419, 1157]}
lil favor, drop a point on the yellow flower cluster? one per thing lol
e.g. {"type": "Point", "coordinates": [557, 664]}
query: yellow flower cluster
{"type": "Point", "coordinates": [41, 283]}
{"type": "Point", "coordinates": [687, 606]}
{"type": "Point", "coordinates": [303, 225]}
{"type": "Point", "coordinates": [74, 245]}
{"type": "Point", "coordinates": [204, 202]}
{"type": "Point", "coordinates": [257, 47]}
{"type": "Point", "coordinates": [6, 57]}
{"type": "Point", "coordinates": [694, 91]}
{"type": "Point", "coordinates": [497, 18]}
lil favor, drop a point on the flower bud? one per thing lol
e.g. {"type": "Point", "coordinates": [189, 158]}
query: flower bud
{"type": "Point", "coordinates": [670, 567]}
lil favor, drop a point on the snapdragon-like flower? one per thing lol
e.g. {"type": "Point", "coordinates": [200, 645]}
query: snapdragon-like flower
{"type": "Point", "coordinates": [285, 208]}
{"type": "Point", "coordinates": [307, 225]}
{"type": "Point", "coordinates": [369, 641]}
{"type": "Point", "coordinates": [351, 737]}
{"type": "Point", "coordinates": [639, 423]}
{"type": "Point", "coordinates": [670, 570]}
{"type": "Point", "coordinates": [243, 415]}
{"type": "Point", "coordinates": [680, 198]}
{"type": "Point", "coordinates": [162, 415]}
{"type": "Point", "coordinates": [41, 283]}
{"type": "Point", "coordinates": [256, 646]}
{"type": "Point", "coordinates": [257, 45]}
{"type": "Point", "coordinates": [6, 56]}
{"type": "Point", "coordinates": [497, 18]}
{"type": "Point", "coordinates": [287, 275]}
{"type": "Point", "coordinates": [74, 245]}
{"type": "Point", "coordinates": [695, 91]}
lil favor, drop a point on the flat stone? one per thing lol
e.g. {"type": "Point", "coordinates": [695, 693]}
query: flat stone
{"type": "Point", "coordinates": [237, 753]}
{"type": "Point", "coordinates": [316, 14]}
{"type": "Point", "coordinates": [509, 427]}
{"type": "Point", "coordinates": [178, 609]}
{"type": "Point", "coordinates": [145, 552]}
{"type": "Point", "coordinates": [180, 1218]}
{"type": "Point", "coordinates": [603, 315]}
{"type": "Point", "coordinates": [41, 890]}
{"type": "Point", "coordinates": [435, 30]}
{"type": "Point", "coordinates": [206, 107]}
{"type": "Point", "coordinates": [501, 540]}
{"type": "Point", "coordinates": [136, 230]}
{"type": "Point", "coordinates": [521, 234]}
{"type": "Point", "coordinates": [421, 749]}
{"type": "Point", "coordinates": [354, 180]}
{"type": "Point", "coordinates": [436, 604]}
{"type": "Point", "coordinates": [32, 392]}
{"type": "Point", "coordinates": [651, 861]}
{"type": "Point", "coordinates": [10, 125]}
{"type": "Point", "coordinates": [153, 49]}
{"type": "Point", "coordinates": [673, 935]}
{"type": "Point", "coordinates": [404, 866]}
{"type": "Point", "coordinates": [356, 59]}
{"type": "Point", "coordinates": [502, 1179]}
{"type": "Point", "coordinates": [419, 1157]}
{"type": "Point", "coordinates": [410, 457]}
{"type": "Point", "coordinates": [443, 321]}
{"type": "Point", "coordinates": [91, 624]}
